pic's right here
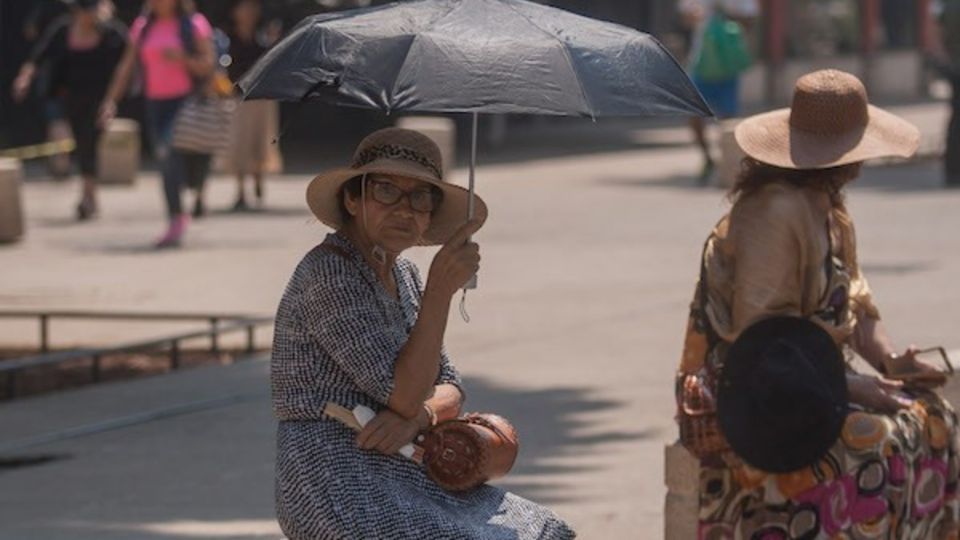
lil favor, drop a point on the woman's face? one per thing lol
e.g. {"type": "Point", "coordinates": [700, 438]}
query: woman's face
{"type": "Point", "coordinates": [85, 16]}
{"type": "Point", "coordinates": [397, 211]}
{"type": "Point", "coordinates": [163, 8]}
{"type": "Point", "coordinates": [247, 13]}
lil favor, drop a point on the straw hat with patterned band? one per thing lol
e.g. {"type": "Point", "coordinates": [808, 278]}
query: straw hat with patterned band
{"type": "Point", "coordinates": [399, 152]}
{"type": "Point", "coordinates": [830, 123]}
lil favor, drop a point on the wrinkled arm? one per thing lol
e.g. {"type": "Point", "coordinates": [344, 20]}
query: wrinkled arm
{"type": "Point", "coordinates": [871, 342]}
{"type": "Point", "coordinates": [418, 363]}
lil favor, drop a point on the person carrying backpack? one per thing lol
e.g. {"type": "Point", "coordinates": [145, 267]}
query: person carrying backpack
{"type": "Point", "coordinates": [174, 47]}
{"type": "Point", "coordinates": [718, 56]}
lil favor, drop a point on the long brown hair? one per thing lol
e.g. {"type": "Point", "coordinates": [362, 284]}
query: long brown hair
{"type": "Point", "coordinates": [756, 174]}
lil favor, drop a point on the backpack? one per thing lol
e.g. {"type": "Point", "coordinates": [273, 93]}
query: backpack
{"type": "Point", "coordinates": [723, 52]}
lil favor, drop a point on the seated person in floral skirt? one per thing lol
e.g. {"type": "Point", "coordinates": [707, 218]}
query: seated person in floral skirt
{"type": "Point", "coordinates": [787, 248]}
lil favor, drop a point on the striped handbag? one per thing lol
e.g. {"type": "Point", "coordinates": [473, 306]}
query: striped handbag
{"type": "Point", "coordinates": [202, 125]}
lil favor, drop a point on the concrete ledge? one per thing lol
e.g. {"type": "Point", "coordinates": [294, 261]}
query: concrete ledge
{"type": "Point", "coordinates": [11, 205]}
{"type": "Point", "coordinates": [682, 503]}
{"type": "Point", "coordinates": [118, 154]}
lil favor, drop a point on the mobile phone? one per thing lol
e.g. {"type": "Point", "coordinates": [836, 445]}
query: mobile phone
{"type": "Point", "coordinates": [935, 356]}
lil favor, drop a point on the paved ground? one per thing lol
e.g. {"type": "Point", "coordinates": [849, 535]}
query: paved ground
{"type": "Point", "coordinates": [589, 261]}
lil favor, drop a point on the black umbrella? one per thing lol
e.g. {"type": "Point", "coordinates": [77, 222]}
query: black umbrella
{"type": "Point", "coordinates": [490, 56]}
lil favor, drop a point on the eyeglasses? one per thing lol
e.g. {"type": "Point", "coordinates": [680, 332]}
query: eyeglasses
{"type": "Point", "coordinates": [421, 200]}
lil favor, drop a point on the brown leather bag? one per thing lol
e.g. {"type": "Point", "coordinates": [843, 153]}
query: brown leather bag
{"type": "Point", "coordinates": [469, 451]}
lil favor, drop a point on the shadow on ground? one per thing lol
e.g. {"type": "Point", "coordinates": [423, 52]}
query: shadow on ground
{"type": "Point", "coordinates": [898, 269]}
{"type": "Point", "coordinates": [552, 423]}
{"type": "Point", "coordinates": [919, 175]}
{"type": "Point", "coordinates": [922, 175]}
{"type": "Point", "coordinates": [675, 181]}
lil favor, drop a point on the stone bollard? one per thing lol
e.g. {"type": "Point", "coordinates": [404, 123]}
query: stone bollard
{"type": "Point", "coordinates": [730, 155]}
{"type": "Point", "coordinates": [118, 154]}
{"type": "Point", "coordinates": [441, 130]}
{"type": "Point", "coordinates": [11, 209]}
{"type": "Point", "coordinates": [681, 513]}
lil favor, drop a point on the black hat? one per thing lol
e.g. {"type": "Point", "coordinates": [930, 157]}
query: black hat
{"type": "Point", "coordinates": [782, 396]}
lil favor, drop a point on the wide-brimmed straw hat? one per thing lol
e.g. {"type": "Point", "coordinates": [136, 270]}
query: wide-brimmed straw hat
{"type": "Point", "coordinates": [830, 123]}
{"type": "Point", "coordinates": [782, 395]}
{"type": "Point", "coordinates": [400, 152]}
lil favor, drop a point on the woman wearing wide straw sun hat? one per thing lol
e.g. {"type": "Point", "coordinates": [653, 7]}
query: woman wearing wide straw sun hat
{"type": "Point", "coordinates": [357, 327]}
{"type": "Point", "coordinates": [787, 248]}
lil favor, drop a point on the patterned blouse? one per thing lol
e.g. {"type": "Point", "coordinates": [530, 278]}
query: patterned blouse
{"type": "Point", "coordinates": [336, 309]}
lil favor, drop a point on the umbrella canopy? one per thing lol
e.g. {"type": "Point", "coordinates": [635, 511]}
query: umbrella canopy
{"type": "Point", "coordinates": [479, 56]}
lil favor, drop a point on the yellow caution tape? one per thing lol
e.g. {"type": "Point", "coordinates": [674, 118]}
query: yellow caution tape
{"type": "Point", "coordinates": [51, 148]}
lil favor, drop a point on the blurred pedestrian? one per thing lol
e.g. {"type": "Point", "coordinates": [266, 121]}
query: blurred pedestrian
{"type": "Point", "coordinates": [173, 44]}
{"type": "Point", "coordinates": [945, 50]}
{"type": "Point", "coordinates": [41, 16]}
{"type": "Point", "coordinates": [717, 57]}
{"type": "Point", "coordinates": [897, 22]}
{"type": "Point", "coordinates": [253, 150]}
{"type": "Point", "coordinates": [788, 248]}
{"type": "Point", "coordinates": [83, 49]}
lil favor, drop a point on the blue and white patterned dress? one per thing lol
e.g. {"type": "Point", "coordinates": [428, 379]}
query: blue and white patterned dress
{"type": "Point", "coordinates": [338, 333]}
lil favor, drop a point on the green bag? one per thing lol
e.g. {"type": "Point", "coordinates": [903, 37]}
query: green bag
{"type": "Point", "coordinates": [723, 52]}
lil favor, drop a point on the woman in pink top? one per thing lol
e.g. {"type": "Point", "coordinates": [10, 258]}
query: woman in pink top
{"type": "Point", "coordinates": [174, 46]}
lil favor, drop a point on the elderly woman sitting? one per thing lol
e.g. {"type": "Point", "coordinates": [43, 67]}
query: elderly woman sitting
{"type": "Point", "coordinates": [357, 327]}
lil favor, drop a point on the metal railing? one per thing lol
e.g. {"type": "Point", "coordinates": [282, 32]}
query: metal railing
{"type": "Point", "coordinates": [219, 324]}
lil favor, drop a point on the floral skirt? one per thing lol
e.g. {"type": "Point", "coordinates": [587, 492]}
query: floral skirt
{"type": "Point", "coordinates": [888, 477]}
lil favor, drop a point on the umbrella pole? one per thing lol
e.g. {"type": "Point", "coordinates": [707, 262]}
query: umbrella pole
{"type": "Point", "coordinates": [471, 205]}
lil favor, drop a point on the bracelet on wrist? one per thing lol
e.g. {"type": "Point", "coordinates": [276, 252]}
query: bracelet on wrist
{"type": "Point", "coordinates": [889, 360]}
{"type": "Point", "coordinates": [431, 416]}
